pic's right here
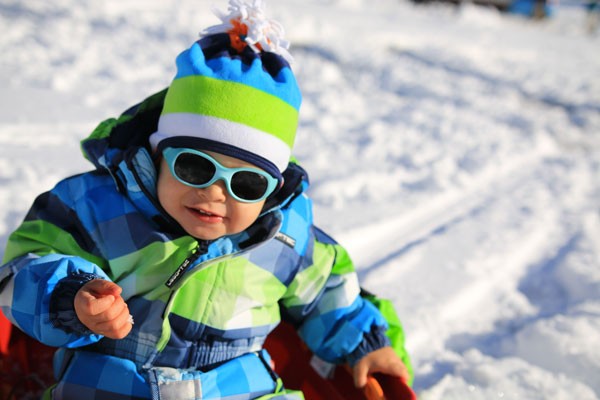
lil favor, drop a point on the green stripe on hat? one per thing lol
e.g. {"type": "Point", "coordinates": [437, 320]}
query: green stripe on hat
{"type": "Point", "coordinates": [234, 102]}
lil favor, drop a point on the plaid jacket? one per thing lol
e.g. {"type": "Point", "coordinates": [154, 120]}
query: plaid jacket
{"type": "Point", "coordinates": [195, 304]}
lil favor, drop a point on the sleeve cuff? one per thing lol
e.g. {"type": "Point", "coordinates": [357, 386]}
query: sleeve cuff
{"type": "Point", "coordinates": [373, 340]}
{"type": "Point", "coordinates": [62, 307]}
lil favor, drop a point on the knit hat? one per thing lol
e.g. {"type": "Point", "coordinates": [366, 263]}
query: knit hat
{"type": "Point", "coordinates": [234, 92]}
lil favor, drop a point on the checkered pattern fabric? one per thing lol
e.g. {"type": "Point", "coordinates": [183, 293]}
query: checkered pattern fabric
{"type": "Point", "coordinates": [106, 223]}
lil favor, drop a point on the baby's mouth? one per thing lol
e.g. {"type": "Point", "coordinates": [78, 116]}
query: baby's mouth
{"type": "Point", "coordinates": [205, 215]}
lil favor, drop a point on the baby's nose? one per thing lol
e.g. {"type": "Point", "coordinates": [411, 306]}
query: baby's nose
{"type": "Point", "coordinates": [215, 192]}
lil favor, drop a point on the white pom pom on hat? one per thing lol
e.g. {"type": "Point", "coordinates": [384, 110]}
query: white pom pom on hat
{"type": "Point", "coordinates": [234, 92]}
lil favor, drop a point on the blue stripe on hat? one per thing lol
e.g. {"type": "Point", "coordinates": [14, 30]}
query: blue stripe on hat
{"type": "Point", "coordinates": [283, 85]}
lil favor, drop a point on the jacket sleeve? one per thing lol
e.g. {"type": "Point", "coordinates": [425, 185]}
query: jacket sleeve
{"type": "Point", "coordinates": [323, 300]}
{"type": "Point", "coordinates": [46, 262]}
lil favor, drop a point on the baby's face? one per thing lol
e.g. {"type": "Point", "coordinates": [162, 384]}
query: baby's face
{"type": "Point", "coordinates": [210, 212]}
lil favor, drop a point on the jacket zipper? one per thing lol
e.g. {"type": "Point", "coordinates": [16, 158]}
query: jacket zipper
{"type": "Point", "coordinates": [176, 280]}
{"type": "Point", "coordinates": [200, 250]}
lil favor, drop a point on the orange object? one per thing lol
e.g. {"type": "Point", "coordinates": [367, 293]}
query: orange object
{"type": "Point", "coordinates": [373, 390]}
{"type": "Point", "coordinates": [236, 35]}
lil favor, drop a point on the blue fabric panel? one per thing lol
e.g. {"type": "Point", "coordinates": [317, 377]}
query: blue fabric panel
{"type": "Point", "coordinates": [43, 274]}
{"type": "Point", "coordinates": [278, 258]}
{"type": "Point", "coordinates": [50, 208]}
{"type": "Point", "coordinates": [296, 222]}
{"type": "Point", "coordinates": [322, 237]}
{"type": "Point", "coordinates": [184, 350]}
{"type": "Point", "coordinates": [335, 334]}
{"type": "Point", "coordinates": [96, 214]}
{"type": "Point", "coordinates": [108, 383]}
{"type": "Point", "coordinates": [126, 234]}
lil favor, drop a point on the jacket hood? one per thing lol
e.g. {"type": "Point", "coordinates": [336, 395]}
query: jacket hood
{"type": "Point", "coordinates": [112, 138]}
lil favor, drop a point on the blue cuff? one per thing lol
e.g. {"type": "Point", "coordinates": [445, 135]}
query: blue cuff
{"type": "Point", "coordinates": [62, 303]}
{"type": "Point", "coordinates": [373, 340]}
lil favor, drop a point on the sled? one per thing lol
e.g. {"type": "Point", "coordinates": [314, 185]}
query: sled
{"type": "Point", "coordinates": [294, 364]}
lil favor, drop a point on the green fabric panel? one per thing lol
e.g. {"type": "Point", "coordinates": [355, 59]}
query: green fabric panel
{"type": "Point", "coordinates": [152, 102]}
{"type": "Point", "coordinates": [283, 394]}
{"type": "Point", "coordinates": [165, 333]}
{"type": "Point", "coordinates": [106, 127]}
{"type": "Point", "coordinates": [42, 238]}
{"type": "Point", "coordinates": [234, 102]}
{"type": "Point", "coordinates": [222, 289]}
{"type": "Point", "coordinates": [199, 286]}
{"type": "Point", "coordinates": [47, 395]}
{"type": "Point", "coordinates": [343, 264]}
{"type": "Point", "coordinates": [268, 291]}
{"type": "Point", "coordinates": [146, 270]}
{"type": "Point", "coordinates": [308, 283]}
{"type": "Point", "coordinates": [102, 131]}
{"type": "Point", "coordinates": [395, 331]}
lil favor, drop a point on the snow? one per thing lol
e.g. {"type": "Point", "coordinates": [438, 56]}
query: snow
{"type": "Point", "coordinates": [454, 151]}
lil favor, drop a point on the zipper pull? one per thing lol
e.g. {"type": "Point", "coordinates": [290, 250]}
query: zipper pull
{"type": "Point", "coordinates": [201, 249]}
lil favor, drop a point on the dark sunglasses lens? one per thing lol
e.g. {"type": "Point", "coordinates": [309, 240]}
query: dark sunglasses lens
{"type": "Point", "coordinates": [249, 185]}
{"type": "Point", "coordinates": [194, 169]}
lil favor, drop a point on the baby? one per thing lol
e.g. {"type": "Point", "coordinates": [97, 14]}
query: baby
{"type": "Point", "coordinates": [195, 224]}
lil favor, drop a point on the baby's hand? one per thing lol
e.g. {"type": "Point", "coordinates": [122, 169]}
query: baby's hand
{"type": "Point", "coordinates": [100, 307]}
{"type": "Point", "coordinates": [383, 360]}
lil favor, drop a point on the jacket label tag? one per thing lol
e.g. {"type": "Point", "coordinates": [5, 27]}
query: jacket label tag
{"type": "Point", "coordinates": [285, 239]}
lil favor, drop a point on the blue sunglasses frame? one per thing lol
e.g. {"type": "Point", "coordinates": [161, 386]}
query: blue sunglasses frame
{"type": "Point", "coordinates": [223, 173]}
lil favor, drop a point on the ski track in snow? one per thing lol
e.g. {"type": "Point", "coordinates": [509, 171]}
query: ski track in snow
{"type": "Point", "coordinates": [492, 277]}
{"type": "Point", "coordinates": [435, 217]}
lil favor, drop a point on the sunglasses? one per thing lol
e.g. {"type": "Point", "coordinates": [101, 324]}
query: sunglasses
{"type": "Point", "coordinates": [199, 170]}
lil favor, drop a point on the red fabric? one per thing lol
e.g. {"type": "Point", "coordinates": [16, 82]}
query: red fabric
{"type": "Point", "coordinates": [25, 364]}
{"type": "Point", "coordinates": [5, 328]}
{"type": "Point", "coordinates": [292, 364]}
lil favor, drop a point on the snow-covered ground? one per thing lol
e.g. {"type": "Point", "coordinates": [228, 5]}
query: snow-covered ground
{"type": "Point", "coordinates": [455, 152]}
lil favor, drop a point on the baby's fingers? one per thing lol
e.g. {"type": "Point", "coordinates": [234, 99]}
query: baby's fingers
{"type": "Point", "coordinates": [117, 327]}
{"type": "Point", "coordinates": [360, 374]}
{"type": "Point", "coordinates": [101, 309]}
{"type": "Point", "coordinates": [115, 309]}
{"type": "Point", "coordinates": [88, 304]}
{"type": "Point", "coordinates": [399, 370]}
{"type": "Point", "coordinates": [102, 287]}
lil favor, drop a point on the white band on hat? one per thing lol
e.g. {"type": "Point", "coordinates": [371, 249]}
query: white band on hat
{"type": "Point", "coordinates": [235, 134]}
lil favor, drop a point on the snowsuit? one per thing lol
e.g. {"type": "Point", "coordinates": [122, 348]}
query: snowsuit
{"type": "Point", "coordinates": [202, 310]}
